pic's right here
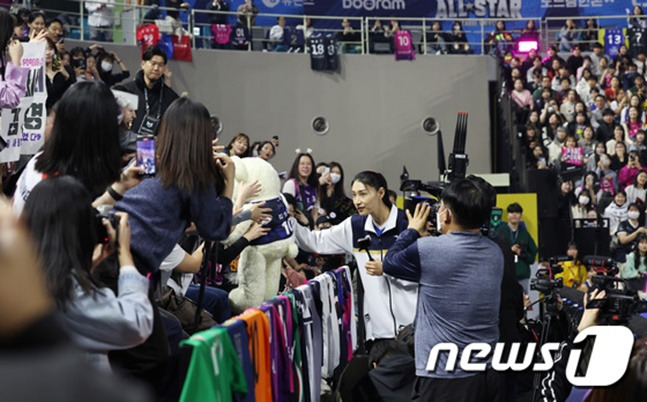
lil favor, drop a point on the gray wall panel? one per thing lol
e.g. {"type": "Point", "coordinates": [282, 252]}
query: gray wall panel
{"type": "Point", "coordinates": [374, 106]}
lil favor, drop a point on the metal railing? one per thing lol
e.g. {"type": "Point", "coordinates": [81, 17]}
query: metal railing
{"type": "Point", "coordinates": [258, 28]}
{"type": "Point", "coordinates": [582, 34]}
{"type": "Point", "coordinates": [197, 23]}
{"type": "Point", "coordinates": [124, 20]}
{"type": "Point", "coordinates": [366, 38]}
{"type": "Point", "coordinates": [479, 34]}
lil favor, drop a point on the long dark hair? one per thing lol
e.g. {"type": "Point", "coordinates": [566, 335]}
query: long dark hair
{"type": "Point", "coordinates": [294, 171]}
{"type": "Point", "coordinates": [374, 180]}
{"type": "Point", "coordinates": [85, 138]}
{"type": "Point", "coordinates": [338, 190]}
{"type": "Point", "coordinates": [62, 225]}
{"type": "Point", "coordinates": [183, 148]}
{"type": "Point", "coordinates": [636, 251]}
{"type": "Point", "coordinates": [7, 23]}
{"type": "Point", "coordinates": [34, 15]}
{"type": "Point", "coordinates": [262, 144]}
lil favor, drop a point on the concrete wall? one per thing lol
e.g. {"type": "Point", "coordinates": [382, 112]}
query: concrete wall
{"type": "Point", "coordinates": [374, 105]}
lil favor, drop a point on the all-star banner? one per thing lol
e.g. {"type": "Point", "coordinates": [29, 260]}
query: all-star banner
{"type": "Point", "coordinates": [459, 8]}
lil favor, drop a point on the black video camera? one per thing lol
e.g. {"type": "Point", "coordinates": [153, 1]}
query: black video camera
{"type": "Point", "coordinates": [544, 280]}
{"type": "Point", "coordinates": [619, 304]}
{"type": "Point", "coordinates": [554, 263]}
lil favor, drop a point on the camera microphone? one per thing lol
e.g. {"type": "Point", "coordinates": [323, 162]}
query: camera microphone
{"type": "Point", "coordinates": [597, 261]}
{"type": "Point", "coordinates": [561, 258]}
{"type": "Point", "coordinates": [364, 243]}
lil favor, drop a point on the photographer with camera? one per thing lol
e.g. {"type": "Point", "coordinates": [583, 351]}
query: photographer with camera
{"type": "Point", "coordinates": [599, 306]}
{"type": "Point", "coordinates": [459, 276]}
{"type": "Point", "coordinates": [554, 386]}
{"type": "Point", "coordinates": [71, 240]}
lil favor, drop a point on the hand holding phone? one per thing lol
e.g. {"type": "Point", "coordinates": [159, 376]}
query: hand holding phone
{"type": "Point", "coordinates": [146, 155]}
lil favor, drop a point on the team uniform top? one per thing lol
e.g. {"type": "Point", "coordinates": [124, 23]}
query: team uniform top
{"type": "Point", "coordinates": [389, 303]}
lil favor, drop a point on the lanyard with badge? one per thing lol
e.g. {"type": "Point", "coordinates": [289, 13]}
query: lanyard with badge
{"type": "Point", "coordinates": [149, 122]}
{"type": "Point", "coordinates": [513, 237]}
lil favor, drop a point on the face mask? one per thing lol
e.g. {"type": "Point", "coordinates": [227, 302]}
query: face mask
{"type": "Point", "coordinates": [633, 215]}
{"type": "Point", "coordinates": [584, 200]}
{"type": "Point", "coordinates": [335, 177]}
{"type": "Point", "coordinates": [255, 153]}
{"type": "Point", "coordinates": [106, 66]}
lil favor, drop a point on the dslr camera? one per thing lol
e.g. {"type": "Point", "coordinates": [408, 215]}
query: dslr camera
{"type": "Point", "coordinates": [101, 230]}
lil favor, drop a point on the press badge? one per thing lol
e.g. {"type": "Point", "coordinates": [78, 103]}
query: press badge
{"type": "Point", "coordinates": [149, 125]}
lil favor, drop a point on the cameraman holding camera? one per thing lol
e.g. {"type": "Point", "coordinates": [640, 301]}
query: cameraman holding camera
{"type": "Point", "coordinates": [459, 276]}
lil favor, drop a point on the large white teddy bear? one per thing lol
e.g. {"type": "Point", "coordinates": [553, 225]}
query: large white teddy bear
{"type": "Point", "coordinates": [259, 267]}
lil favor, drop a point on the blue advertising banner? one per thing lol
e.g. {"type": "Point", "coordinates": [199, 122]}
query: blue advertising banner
{"type": "Point", "coordinates": [461, 8]}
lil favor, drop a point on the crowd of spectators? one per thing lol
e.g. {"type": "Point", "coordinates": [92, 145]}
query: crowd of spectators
{"type": "Point", "coordinates": [582, 114]}
{"type": "Point", "coordinates": [110, 277]}
{"type": "Point", "coordinates": [96, 271]}
{"type": "Point", "coordinates": [288, 34]}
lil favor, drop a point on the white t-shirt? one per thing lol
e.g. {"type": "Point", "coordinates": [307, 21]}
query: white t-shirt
{"type": "Point", "coordinates": [633, 194]}
{"type": "Point", "coordinates": [168, 265]}
{"type": "Point", "coordinates": [29, 178]}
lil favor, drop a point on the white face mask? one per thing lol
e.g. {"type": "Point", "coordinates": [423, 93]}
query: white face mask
{"type": "Point", "coordinates": [335, 177]}
{"type": "Point", "coordinates": [255, 153]}
{"type": "Point", "coordinates": [633, 215]}
{"type": "Point", "coordinates": [106, 66]}
{"type": "Point", "coordinates": [584, 200]}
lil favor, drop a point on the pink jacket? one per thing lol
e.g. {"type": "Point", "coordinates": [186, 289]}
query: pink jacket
{"type": "Point", "coordinates": [523, 98]}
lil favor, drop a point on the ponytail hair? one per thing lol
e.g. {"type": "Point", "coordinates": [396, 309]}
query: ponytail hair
{"type": "Point", "coordinates": [375, 180]}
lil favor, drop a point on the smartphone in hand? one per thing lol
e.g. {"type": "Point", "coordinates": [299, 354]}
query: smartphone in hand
{"type": "Point", "coordinates": [146, 155]}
